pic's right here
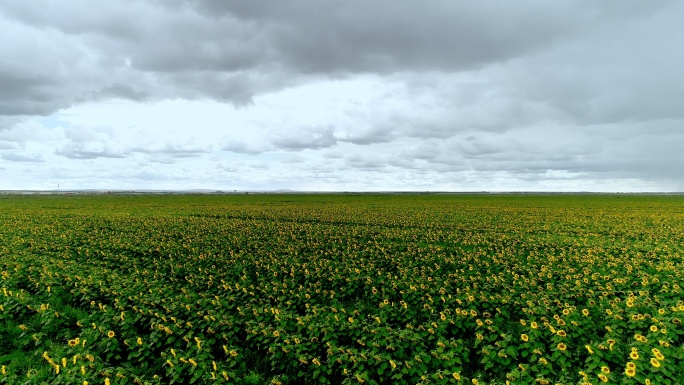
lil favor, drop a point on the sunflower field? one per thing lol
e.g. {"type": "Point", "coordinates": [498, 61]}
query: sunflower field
{"type": "Point", "coordinates": [341, 289]}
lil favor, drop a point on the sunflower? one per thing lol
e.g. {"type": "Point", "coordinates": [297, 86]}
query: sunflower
{"type": "Point", "coordinates": [534, 325]}
{"type": "Point", "coordinates": [658, 355]}
{"type": "Point", "coordinates": [655, 363]}
{"type": "Point", "coordinates": [654, 328]}
{"type": "Point", "coordinates": [634, 355]}
{"type": "Point", "coordinates": [585, 312]}
{"type": "Point", "coordinates": [630, 372]}
{"type": "Point", "coordinates": [605, 370]}
{"type": "Point", "coordinates": [561, 346]}
{"type": "Point", "coordinates": [110, 334]}
{"type": "Point", "coordinates": [524, 337]}
{"type": "Point", "coordinates": [456, 375]}
{"type": "Point", "coordinates": [603, 378]}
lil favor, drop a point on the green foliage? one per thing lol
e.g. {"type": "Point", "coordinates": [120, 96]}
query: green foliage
{"type": "Point", "coordinates": [341, 289]}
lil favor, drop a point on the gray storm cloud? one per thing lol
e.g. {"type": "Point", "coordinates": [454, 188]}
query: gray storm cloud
{"type": "Point", "coordinates": [231, 50]}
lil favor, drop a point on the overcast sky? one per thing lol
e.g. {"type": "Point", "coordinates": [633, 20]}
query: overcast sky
{"type": "Point", "coordinates": [359, 95]}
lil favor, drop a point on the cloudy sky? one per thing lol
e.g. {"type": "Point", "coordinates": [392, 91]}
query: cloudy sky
{"type": "Point", "coordinates": [440, 95]}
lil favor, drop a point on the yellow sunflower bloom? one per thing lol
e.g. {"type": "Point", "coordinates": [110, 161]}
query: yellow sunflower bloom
{"type": "Point", "coordinates": [658, 355]}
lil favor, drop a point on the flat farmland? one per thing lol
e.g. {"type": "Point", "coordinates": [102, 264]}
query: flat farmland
{"type": "Point", "coordinates": [341, 289]}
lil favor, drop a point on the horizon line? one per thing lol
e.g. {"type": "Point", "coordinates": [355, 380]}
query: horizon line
{"type": "Point", "coordinates": [290, 191]}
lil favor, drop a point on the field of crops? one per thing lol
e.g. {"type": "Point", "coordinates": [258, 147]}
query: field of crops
{"type": "Point", "coordinates": [341, 289]}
